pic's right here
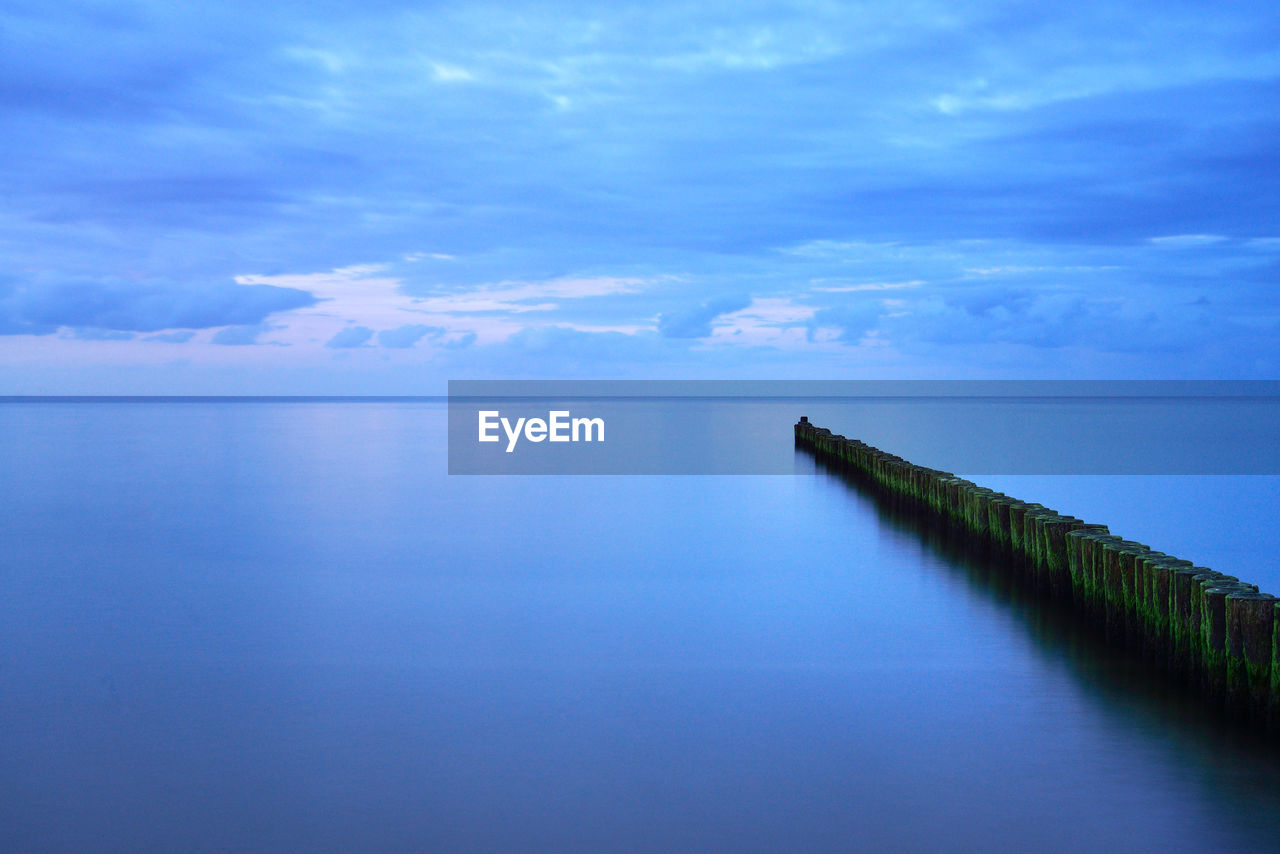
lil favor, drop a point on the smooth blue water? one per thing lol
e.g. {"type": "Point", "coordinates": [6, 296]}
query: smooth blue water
{"type": "Point", "coordinates": [281, 626]}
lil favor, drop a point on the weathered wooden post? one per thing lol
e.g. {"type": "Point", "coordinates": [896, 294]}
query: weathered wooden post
{"type": "Point", "coordinates": [1207, 629]}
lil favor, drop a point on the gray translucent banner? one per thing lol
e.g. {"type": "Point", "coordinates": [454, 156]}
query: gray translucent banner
{"type": "Point", "coordinates": [966, 427]}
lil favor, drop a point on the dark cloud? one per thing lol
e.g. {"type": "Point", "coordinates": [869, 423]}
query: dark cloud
{"type": "Point", "coordinates": [241, 336]}
{"type": "Point", "coordinates": [12, 320]}
{"type": "Point", "coordinates": [91, 334]}
{"type": "Point", "coordinates": [853, 321]}
{"type": "Point", "coordinates": [462, 342]}
{"type": "Point", "coordinates": [171, 337]}
{"type": "Point", "coordinates": [403, 337]}
{"type": "Point", "coordinates": [142, 307]}
{"type": "Point", "coordinates": [696, 322]}
{"type": "Point", "coordinates": [984, 302]}
{"type": "Point", "coordinates": [11, 324]}
{"type": "Point", "coordinates": [352, 336]}
{"type": "Point", "coordinates": [1055, 321]}
{"type": "Point", "coordinates": [574, 351]}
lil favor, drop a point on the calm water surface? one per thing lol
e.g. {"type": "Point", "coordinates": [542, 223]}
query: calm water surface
{"type": "Point", "coordinates": [283, 627]}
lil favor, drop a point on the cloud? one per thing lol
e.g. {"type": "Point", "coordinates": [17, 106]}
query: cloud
{"type": "Point", "coordinates": [352, 336]}
{"type": "Point", "coordinates": [172, 337]}
{"type": "Point", "coordinates": [124, 306]}
{"type": "Point", "coordinates": [461, 342]}
{"type": "Point", "coordinates": [405, 336]}
{"type": "Point", "coordinates": [521, 297]}
{"type": "Point", "coordinates": [446, 73]}
{"type": "Point", "coordinates": [866, 286]}
{"type": "Point", "coordinates": [572, 351]}
{"type": "Point", "coordinates": [242, 336]}
{"type": "Point", "coordinates": [12, 323]}
{"type": "Point", "coordinates": [376, 297]}
{"type": "Point", "coordinates": [1183, 241]}
{"type": "Point", "coordinates": [91, 334]}
{"type": "Point", "coordinates": [987, 302]}
{"type": "Point", "coordinates": [1076, 153]}
{"type": "Point", "coordinates": [766, 322]}
{"type": "Point", "coordinates": [696, 322]}
{"type": "Point", "coordinates": [852, 321]}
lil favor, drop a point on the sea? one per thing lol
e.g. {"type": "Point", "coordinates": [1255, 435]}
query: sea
{"type": "Point", "coordinates": [283, 626]}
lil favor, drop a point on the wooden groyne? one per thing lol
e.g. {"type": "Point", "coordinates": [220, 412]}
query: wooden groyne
{"type": "Point", "coordinates": [1216, 634]}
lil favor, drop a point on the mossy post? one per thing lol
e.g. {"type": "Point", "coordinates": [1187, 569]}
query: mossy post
{"type": "Point", "coordinates": [1250, 618]}
{"type": "Point", "coordinates": [1184, 622]}
{"type": "Point", "coordinates": [1146, 568]}
{"type": "Point", "coordinates": [1095, 578]}
{"type": "Point", "coordinates": [1056, 558]}
{"type": "Point", "coordinates": [1160, 579]}
{"type": "Point", "coordinates": [1129, 590]}
{"type": "Point", "coordinates": [998, 520]}
{"type": "Point", "coordinates": [1213, 625]}
{"type": "Point", "coordinates": [1116, 558]}
{"type": "Point", "coordinates": [1210, 631]}
{"type": "Point", "coordinates": [1075, 564]}
{"type": "Point", "coordinates": [1079, 543]}
{"type": "Point", "coordinates": [1274, 715]}
{"type": "Point", "coordinates": [1017, 512]}
{"type": "Point", "coordinates": [1033, 542]}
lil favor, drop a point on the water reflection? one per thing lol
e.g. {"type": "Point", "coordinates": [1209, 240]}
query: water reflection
{"type": "Point", "coordinates": [283, 627]}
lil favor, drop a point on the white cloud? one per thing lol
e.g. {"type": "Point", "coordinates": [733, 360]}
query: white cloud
{"type": "Point", "coordinates": [365, 295]}
{"type": "Point", "coordinates": [519, 297]}
{"type": "Point", "coordinates": [1181, 241]}
{"type": "Point", "coordinates": [775, 322]}
{"type": "Point", "coordinates": [330, 61]}
{"type": "Point", "coordinates": [755, 49]}
{"type": "Point", "coordinates": [414, 257]}
{"type": "Point", "coordinates": [867, 286]}
{"type": "Point", "coordinates": [1019, 269]}
{"type": "Point", "coordinates": [357, 293]}
{"type": "Point", "coordinates": [448, 73]}
{"type": "Point", "coordinates": [1048, 77]}
{"type": "Point", "coordinates": [773, 310]}
{"type": "Point", "coordinates": [625, 329]}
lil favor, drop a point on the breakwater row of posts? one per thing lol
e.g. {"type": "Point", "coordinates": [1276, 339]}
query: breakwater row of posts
{"type": "Point", "coordinates": [1214, 633]}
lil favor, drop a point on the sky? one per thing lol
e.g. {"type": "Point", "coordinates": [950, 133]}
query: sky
{"type": "Point", "coordinates": [375, 198]}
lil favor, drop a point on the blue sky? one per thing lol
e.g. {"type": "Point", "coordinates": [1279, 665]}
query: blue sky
{"type": "Point", "coordinates": [375, 198]}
